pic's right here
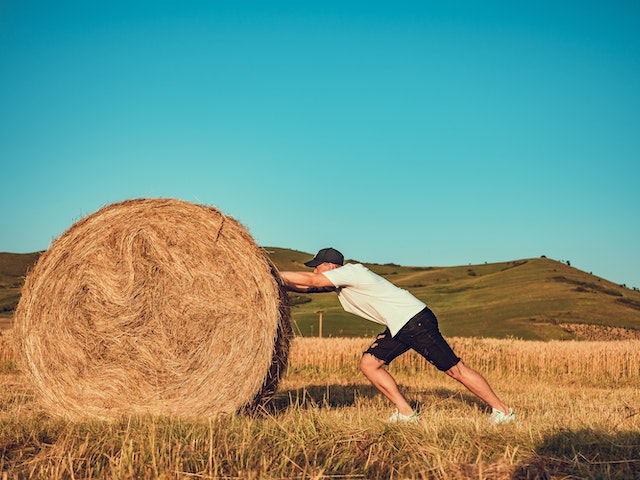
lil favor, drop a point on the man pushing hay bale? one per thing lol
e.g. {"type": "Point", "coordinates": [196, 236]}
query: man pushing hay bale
{"type": "Point", "coordinates": [153, 306]}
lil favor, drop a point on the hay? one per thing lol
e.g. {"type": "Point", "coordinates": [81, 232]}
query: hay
{"type": "Point", "coordinates": [153, 306]}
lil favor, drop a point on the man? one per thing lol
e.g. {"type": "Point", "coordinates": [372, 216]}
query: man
{"type": "Point", "coordinates": [409, 322]}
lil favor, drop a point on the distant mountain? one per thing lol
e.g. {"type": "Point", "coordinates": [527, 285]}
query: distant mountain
{"type": "Point", "coordinates": [536, 298]}
{"type": "Point", "coordinates": [13, 268]}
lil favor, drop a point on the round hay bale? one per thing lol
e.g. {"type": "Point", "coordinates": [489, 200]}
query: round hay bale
{"type": "Point", "coordinates": [153, 306]}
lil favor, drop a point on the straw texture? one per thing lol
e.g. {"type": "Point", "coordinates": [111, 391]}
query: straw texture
{"type": "Point", "coordinates": [153, 306]}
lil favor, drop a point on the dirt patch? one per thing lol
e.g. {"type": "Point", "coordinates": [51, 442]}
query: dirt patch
{"type": "Point", "coordinates": [600, 332]}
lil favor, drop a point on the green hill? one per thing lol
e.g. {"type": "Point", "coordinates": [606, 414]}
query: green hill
{"type": "Point", "coordinates": [531, 298]}
{"type": "Point", "coordinates": [13, 268]}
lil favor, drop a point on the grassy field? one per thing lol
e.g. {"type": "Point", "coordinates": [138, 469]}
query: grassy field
{"type": "Point", "coordinates": [516, 322]}
{"type": "Point", "coordinates": [577, 405]}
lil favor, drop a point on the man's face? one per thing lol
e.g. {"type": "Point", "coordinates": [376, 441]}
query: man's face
{"type": "Point", "coordinates": [323, 267]}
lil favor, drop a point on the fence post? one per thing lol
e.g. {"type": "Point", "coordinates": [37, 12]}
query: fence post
{"type": "Point", "coordinates": [319, 312]}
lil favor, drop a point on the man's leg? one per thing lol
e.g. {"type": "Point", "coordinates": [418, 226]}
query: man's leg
{"type": "Point", "coordinates": [423, 335]}
{"type": "Point", "coordinates": [476, 384]}
{"type": "Point", "coordinates": [372, 368]}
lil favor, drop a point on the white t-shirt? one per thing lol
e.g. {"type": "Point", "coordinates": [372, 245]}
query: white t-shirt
{"type": "Point", "coordinates": [370, 296]}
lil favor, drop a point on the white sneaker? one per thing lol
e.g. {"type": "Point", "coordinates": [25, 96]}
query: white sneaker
{"type": "Point", "coordinates": [497, 417]}
{"type": "Point", "coordinates": [398, 417]}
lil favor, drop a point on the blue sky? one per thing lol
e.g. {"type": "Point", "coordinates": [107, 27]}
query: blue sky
{"type": "Point", "coordinates": [420, 133]}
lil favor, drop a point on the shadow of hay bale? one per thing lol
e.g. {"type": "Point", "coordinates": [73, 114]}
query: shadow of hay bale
{"type": "Point", "coordinates": [314, 396]}
{"type": "Point", "coordinates": [153, 306]}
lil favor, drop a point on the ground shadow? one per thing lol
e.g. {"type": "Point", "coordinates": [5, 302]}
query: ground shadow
{"type": "Point", "coordinates": [588, 454]}
{"type": "Point", "coordinates": [322, 396]}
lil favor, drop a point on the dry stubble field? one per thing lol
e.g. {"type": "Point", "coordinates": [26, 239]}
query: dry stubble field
{"type": "Point", "coordinates": [578, 407]}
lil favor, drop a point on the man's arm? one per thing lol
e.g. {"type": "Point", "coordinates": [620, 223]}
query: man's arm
{"type": "Point", "coordinates": [306, 282]}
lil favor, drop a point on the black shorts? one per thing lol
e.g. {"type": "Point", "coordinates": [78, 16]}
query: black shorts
{"type": "Point", "coordinates": [421, 334]}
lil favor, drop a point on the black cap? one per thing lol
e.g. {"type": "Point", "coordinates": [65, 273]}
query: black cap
{"type": "Point", "coordinates": [329, 255]}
